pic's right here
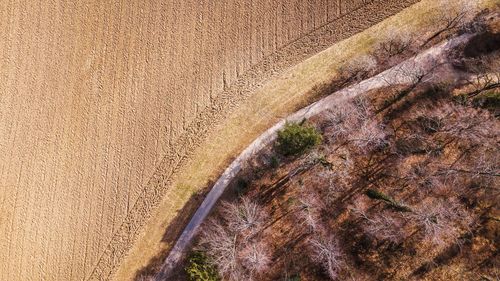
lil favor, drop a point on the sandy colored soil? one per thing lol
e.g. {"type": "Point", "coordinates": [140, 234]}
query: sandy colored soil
{"type": "Point", "coordinates": [102, 102]}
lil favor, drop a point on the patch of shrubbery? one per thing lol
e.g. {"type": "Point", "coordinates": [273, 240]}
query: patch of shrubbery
{"type": "Point", "coordinates": [294, 278]}
{"type": "Point", "coordinates": [241, 186]}
{"type": "Point", "coordinates": [274, 162]}
{"type": "Point", "coordinates": [378, 195]}
{"type": "Point", "coordinates": [199, 268]}
{"type": "Point", "coordinates": [488, 100]}
{"type": "Point", "coordinates": [296, 138]}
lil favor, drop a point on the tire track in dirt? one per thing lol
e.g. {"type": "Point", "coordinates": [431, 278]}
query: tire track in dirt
{"type": "Point", "coordinates": [291, 54]}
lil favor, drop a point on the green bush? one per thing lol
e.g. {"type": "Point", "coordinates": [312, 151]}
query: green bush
{"type": "Point", "coordinates": [487, 100]}
{"type": "Point", "coordinates": [241, 187]}
{"type": "Point", "coordinates": [296, 138]}
{"type": "Point", "coordinates": [199, 268]}
{"type": "Point", "coordinates": [378, 195]}
{"type": "Point", "coordinates": [275, 162]}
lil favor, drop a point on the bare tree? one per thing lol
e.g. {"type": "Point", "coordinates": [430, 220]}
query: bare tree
{"type": "Point", "coordinates": [359, 276]}
{"type": "Point", "coordinates": [453, 15]}
{"type": "Point", "coordinates": [479, 167]}
{"type": "Point", "coordinates": [245, 218]}
{"type": "Point", "coordinates": [358, 68]}
{"type": "Point", "coordinates": [255, 258]}
{"type": "Point", "coordinates": [487, 163]}
{"type": "Point", "coordinates": [353, 120]}
{"type": "Point", "coordinates": [412, 74]}
{"type": "Point", "coordinates": [360, 207]}
{"type": "Point", "coordinates": [441, 221]}
{"type": "Point", "coordinates": [326, 251]}
{"type": "Point", "coordinates": [415, 74]}
{"type": "Point", "coordinates": [340, 120]}
{"type": "Point", "coordinates": [220, 246]}
{"type": "Point", "coordinates": [459, 122]}
{"type": "Point", "coordinates": [336, 180]}
{"type": "Point", "coordinates": [370, 135]}
{"type": "Point", "coordinates": [465, 123]}
{"type": "Point", "coordinates": [430, 118]}
{"type": "Point", "coordinates": [386, 227]}
{"type": "Point", "coordinates": [396, 43]}
{"type": "Point", "coordinates": [484, 72]}
{"type": "Point", "coordinates": [426, 181]}
{"type": "Point", "coordinates": [344, 118]}
{"type": "Point", "coordinates": [230, 240]}
{"type": "Point", "coordinates": [311, 205]}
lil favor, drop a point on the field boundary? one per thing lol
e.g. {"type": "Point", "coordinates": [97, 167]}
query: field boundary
{"type": "Point", "coordinates": [174, 160]}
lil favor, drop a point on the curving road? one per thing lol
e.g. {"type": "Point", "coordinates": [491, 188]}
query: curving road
{"type": "Point", "coordinates": [400, 74]}
{"type": "Point", "coordinates": [103, 101]}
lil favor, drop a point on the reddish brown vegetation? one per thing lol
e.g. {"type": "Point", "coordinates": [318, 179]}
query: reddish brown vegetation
{"type": "Point", "coordinates": [434, 163]}
{"type": "Point", "coordinates": [404, 187]}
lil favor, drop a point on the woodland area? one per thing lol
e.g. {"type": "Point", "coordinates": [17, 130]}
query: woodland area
{"type": "Point", "coordinates": [400, 183]}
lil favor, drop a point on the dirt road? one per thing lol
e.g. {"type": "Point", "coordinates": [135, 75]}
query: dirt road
{"type": "Point", "coordinates": [94, 97]}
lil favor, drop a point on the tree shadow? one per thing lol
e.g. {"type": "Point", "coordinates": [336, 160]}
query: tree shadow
{"type": "Point", "coordinates": [170, 236]}
{"type": "Point", "coordinates": [445, 257]}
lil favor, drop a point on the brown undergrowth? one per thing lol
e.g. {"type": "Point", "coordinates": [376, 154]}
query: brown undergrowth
{"type": "Point", "coordinates": [403, 187]}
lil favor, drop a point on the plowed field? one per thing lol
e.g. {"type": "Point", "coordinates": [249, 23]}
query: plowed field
{"type": "Point", "coordinates": [101, 101]}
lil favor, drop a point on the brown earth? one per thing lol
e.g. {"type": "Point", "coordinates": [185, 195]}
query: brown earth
{"type": "Point", "coordinates": [96, 95]}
